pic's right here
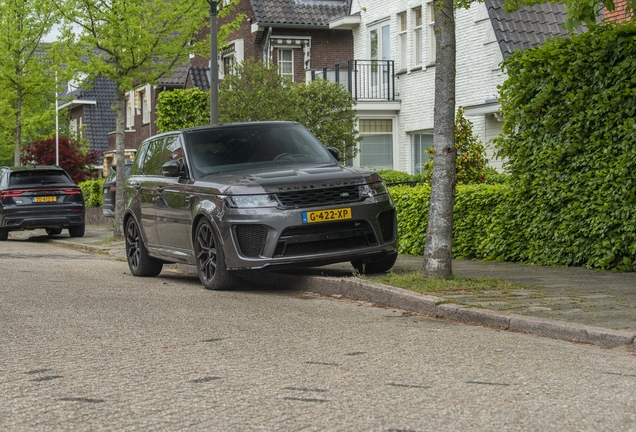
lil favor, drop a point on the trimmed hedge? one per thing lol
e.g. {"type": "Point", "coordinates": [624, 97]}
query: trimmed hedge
{"type": "Point", "coordinates": [492, 222]}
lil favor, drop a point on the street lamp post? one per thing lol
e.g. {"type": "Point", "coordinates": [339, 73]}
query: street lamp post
{"type": "Point", "coordinates": [214, 67]}
{"type": "Point", "coordinates": [57, 127]}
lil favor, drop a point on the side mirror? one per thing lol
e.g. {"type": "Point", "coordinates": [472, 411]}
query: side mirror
{"type": "Point", "coordinates": [334, 152]}
{"type": "Point", "coordinates": [171, 168]}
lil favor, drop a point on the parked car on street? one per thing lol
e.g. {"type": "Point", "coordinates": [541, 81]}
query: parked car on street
{"type": "Point", "coordinates": [45, 197]}
{"type": "Point", "coordinates": [253, 196]}
{"type": "Point", "coordinates": [110, 189]}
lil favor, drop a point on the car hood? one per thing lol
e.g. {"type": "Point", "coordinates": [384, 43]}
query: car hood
{"type": "Point", "coordinates": [267, 180]}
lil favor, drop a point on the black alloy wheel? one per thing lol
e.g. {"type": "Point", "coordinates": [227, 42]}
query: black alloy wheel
{"type": "Point", "coordinates": [211, 259]}
{"type": "Point", "coordinates": [140, 263]}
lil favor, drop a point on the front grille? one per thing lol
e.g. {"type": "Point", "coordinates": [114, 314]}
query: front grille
{"type": "Point", "coordinates": [325, 237]}
{"type": "Point", "coordinates": [386, 219]}
{"type": "Point", "coordinates": [250, 239]}
{"type": "Point", "coordinates": [317, 197]}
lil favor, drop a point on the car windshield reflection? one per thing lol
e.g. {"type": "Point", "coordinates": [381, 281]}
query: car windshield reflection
{"type": "Point", "coordinates": [252, 147]}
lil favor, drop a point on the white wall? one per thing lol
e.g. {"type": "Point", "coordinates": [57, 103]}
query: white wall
{"type": "Point", "coordinates": [478, 73]}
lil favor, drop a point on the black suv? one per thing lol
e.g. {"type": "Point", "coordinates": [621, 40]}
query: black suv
{"type": "Point", "coordinates": [40, 197]}
{"type": "Point", "coordinates": [252, 196]}
{"type": "Point", "coordinates": [110, 189]}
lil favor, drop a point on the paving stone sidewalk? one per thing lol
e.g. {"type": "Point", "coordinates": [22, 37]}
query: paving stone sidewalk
{"type": "Point", "coordinates": [600, 299]}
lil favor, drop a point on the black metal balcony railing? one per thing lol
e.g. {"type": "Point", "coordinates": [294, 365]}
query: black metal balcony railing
{"type": "Point", "coordinates": [371, 80]}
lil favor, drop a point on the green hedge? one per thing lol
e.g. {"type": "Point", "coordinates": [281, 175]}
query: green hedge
{"type": "Point", "coordinates": [570, 142]}
{"type": "Point", "coordinates": [494, 222]}
{"type": "Point", "coordinates": [93, 191]}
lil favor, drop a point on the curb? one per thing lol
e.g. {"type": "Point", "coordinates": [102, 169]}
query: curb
{"type": "Point", "coordinates": [385, 295]}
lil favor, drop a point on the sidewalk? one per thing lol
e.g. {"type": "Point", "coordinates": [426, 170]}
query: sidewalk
{"type": "Point", "coordinates": [567, 303]}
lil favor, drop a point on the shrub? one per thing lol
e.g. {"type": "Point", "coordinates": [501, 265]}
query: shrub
{"type": "Point", "coordinates": [392, 177]}
{"type": "Point", "coordinates": [180, 109]}
{"type": "Point", "coordinates": [471, 153]}
{"type": "Point", "coordinates": [93, 191]}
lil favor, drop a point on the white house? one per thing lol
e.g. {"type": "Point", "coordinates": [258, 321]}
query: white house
{"type": "Point", "coordinates": [392, 75]}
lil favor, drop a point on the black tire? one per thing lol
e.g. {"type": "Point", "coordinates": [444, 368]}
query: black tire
{"type": "Point", "coordinates": [53, 231]}
{"type": "Point", "coordinates": [377, 266]}
{"type": "Point", "coordinates": [140, 263]}
{"type": "Point", "coordinates": [76, 231]}
{"type": "Point", "coordinates": [4, 234]}
{"type": "Point", "coordinates": [211, 259]}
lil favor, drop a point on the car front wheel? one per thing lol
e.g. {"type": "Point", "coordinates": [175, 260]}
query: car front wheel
{"type": "Point", "coordinates": [376, 266]}
{"type": "Point", "coordinates": [211, 259]}
{"type": "Point", "coordinates": [140, 263]}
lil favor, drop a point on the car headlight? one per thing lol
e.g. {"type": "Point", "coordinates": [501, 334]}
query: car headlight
{"type": "Point", "coordinates": [251, 201]}
{"type": "Point", "coordinates": [373, 189]}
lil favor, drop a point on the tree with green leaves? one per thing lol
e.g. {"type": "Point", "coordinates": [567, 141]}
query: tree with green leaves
{"type": "Point", "coordinates": [133, 43]}
{"type": "Point", "coordinates": [27, 80]}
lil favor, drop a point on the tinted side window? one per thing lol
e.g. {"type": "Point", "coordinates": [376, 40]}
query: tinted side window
{"type": "Point", "coordinates": [153, 159]}
{"type": "Point", "coordinates": [138, 164]}
{"type": "Point", "coordinates": [173, 150]}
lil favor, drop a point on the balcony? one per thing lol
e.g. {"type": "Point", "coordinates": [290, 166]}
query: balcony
{"type": "Point", "coordinates": [366, 80]}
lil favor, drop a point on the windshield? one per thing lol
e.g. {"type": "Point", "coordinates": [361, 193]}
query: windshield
{"type": "Point", "coordinates": [253, 146]}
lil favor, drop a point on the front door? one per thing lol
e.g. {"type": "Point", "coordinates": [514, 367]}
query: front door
{"type": "Point", "coordinates": [171, 207]}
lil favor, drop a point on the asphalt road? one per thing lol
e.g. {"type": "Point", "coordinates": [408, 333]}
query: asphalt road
{"type": "Point", "coordinates": [86, 346]}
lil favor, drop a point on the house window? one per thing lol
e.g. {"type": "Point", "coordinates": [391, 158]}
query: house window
{"type": "Point", "coordinates": [73, 128]}
{"type": "Point", "coordinates": [417, 36]}
{"type": "Point", "coordinates": [430, 34]}
{"type": "Point", "coordinates": [146, 101]}
{"type": "Point", "coordinates": [286, 63]}
{"type": "Point", "coordinates": [130, 109]}
{"type": "Point", "coordinates": [228, 64]}
{"type": "Point", "coordinates": [402, 39]}
{"type": "Point", "coordinates": [419, 144]}
{"type": "Point", "coordinates": [376, 147]}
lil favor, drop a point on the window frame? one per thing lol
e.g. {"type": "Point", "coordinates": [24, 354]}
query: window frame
{"type": "Point", "coordinates": [281, 61]}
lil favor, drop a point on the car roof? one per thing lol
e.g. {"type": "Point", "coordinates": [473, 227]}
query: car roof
{"type": "Point", "coordinates": [33, 168]}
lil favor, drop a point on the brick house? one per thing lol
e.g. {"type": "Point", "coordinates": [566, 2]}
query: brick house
{"type": "Point", "coordinates": [619, 14]}
{"type": "Point", "coordinates": [90, 113]}
{"type": "Point", "coordinates": [392, 71]}
{"type": "Point", "coordinates": [291, 34]}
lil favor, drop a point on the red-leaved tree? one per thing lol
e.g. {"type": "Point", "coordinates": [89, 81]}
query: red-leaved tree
{"type": "Point", "coordinates": [74, 159]}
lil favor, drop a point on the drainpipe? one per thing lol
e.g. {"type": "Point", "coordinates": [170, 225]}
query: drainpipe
{"type": "Point", "coordinates": [266, 47]}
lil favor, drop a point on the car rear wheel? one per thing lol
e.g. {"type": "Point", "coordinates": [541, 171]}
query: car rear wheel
{"type": "Point", "coordinates": [4, 234]}
{"type": "Point", "coordinates": [53, 231]}
{"type": "Point", "coordinates": [76, 231]}
{"type": "Point", "coordinates": [140, 263]}
{"type": "Point", "coordinates": [211, 259]}
{"type": "Point", "coordinates": [376, 266]}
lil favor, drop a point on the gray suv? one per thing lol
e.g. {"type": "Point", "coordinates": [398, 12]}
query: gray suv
{"type": "Point", "coordinates": [252, 196]}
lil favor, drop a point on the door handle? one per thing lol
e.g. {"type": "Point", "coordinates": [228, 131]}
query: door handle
{"type": "Point", "coordinates": [159, 189]}
{"type": "Point", "coordinates": [189, 198]}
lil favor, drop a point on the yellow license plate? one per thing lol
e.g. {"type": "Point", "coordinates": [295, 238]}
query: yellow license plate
{"type": "Point", "coordinates": [42, 199]}
{"type": "Point", "coordinates": [326, 215]}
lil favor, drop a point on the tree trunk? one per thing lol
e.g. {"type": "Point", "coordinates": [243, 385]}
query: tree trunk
{"type": "Point", "coordinates": [18, 128]}
{"type": "Point", "coordinates": [439, 233]}
{"type": "Point", "coordinates": [120, 155]}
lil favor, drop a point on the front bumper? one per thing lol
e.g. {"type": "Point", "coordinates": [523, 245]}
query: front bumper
{"type": "Point", "coordinates": [268, 238]}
